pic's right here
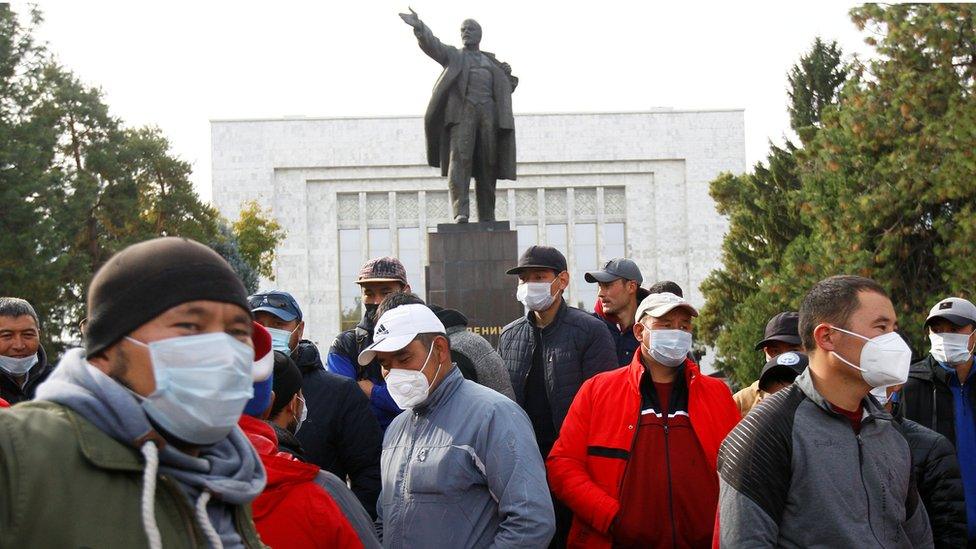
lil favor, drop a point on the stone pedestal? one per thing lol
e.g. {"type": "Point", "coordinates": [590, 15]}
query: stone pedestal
{"type": "Point", "coordinates": [466, 272]}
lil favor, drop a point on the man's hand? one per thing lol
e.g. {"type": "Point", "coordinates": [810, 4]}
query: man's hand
{"type": "Point", "coordinates": [367, 387]}
{"type": "Point", "coordinates": [411, 18]}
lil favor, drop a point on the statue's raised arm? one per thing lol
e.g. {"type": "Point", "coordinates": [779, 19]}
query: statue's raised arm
{"type": "Point", "coordinates": [428, 42]}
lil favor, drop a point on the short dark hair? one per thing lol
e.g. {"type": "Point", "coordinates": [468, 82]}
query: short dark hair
{"type": "Point", "coordinates": [832, 300]}
{"type": "Point", "coordinates": [15, 306]}
{"type": "Point", "coordinates": [666, 286]}
{"type": "Point", "coordinates": [396, 299]}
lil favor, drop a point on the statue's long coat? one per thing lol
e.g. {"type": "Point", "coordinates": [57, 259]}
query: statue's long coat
{"type": "Point", "coordinates": [446, 103]}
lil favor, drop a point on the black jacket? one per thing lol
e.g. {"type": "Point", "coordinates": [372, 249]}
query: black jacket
{"type": "Point", "coordinates": [288, 442]}
{"type": "Point", "coordinates": [13, 393]}
{"type": "Point", "coordinates": [340, 434]}
{"type": "Point", "coordinates": [926, 398]}
{"type": "Point", "coordinates": [939, 482]}
{"type": "Point", "coordinates": [575, 347]}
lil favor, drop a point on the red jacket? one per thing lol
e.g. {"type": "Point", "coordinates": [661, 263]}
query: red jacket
{"type": "Point", "coordinates": [294, 511]}
{"type": "Point", "coordinates": [587, 464]}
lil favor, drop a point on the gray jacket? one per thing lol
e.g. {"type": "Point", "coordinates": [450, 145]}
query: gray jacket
{"type": "Point", "coordinates": [794, 474]}
{"type": "Point", "coordinates": [463, 470]}
{"type": "Point", "coordinates": [489, 366]}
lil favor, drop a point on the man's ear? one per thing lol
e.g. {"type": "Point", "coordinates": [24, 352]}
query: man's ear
{"type": "Point", "coordinates": [638, 330]}
{"type": "Point", "coordinates": [563, 280]}
{"type": "Point", "coordinates": [825, 337]}
{"type": "Point", "coordinates": [443, 349]}
{"type": "Point", "coordinates": [299, 333]}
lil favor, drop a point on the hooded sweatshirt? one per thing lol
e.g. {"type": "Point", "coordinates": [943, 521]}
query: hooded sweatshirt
{"type": "Point", "coordinates": [294, 511]}
{"type": "Point", "coordinates": [226, 474]}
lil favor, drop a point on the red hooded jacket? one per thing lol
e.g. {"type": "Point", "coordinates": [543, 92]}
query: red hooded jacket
{"type": "Point", "coordinates": [587, 464]}
{"type": "Point", "coordinates": [294, 511]}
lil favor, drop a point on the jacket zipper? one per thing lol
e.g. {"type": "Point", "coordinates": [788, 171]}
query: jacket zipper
{"type": "Point", "coordinates": [934, 408]}
{"type": "Point", "coordinates": [406, 467]}
{"type": "Point", "coordinates": [667, 461]}
{"type": "Point", "coordinates": [860, 472]}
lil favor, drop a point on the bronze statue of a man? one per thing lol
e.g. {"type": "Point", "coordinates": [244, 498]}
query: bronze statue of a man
{"type": "Point", "coordinates": [469, 121]}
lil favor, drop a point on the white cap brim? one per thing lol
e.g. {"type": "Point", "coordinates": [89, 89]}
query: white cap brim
{"type": "Point", "coordinates": [665, 309]}
{"type": "Point", "coordinates": [385, 345]}
{"type": "Point", "coordinates": [263, 367]}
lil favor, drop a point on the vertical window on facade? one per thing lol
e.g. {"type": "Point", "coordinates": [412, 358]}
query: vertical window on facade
{"type": "Point", "coordinates": [613, 244]}
{"type": "Point", "coordinates": [528, 235]}
{"type": "Point", "coordinates": [585, 255]}
{"type": "Point", "coordinates": [408, 241]}
{"type": "Point", "coordinates": [350, 259]}
{"type": "Point", "coordinates": [556, 237]}
{"type": "Point", "coordinates": [379, 243]}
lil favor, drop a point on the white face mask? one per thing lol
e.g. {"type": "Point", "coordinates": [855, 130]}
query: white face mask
{"type": "Point", "coordinates": [18, 366]}
{"type": "Point", "coordinates": [884, 359]}
{"type": "Point", "coordinates": [880, 394]}
{"type": "Point", "coordinates": [410, 388]}
{"type": "Point", "coordinates": [536, 296]}
{"type": "Point", "coordinates": [203, 383]}
{"type": "Point", "coordinates": [950, 348]}
{"type": "Point", "coordinates": [669, 347]}
{"type": "Point", "coordinates": [303, 416]}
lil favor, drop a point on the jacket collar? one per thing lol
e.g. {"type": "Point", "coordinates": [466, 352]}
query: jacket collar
{"type": "Point", "coordinates": [636, 369]}
{"type": "Point", "coordinates": [805, 382]}
{"type": "Point", "coordinates": [560, 314]}
{"type": "Point", "coordinates": [447, 387]}
{"type": "Point", "coordinates": [98, 448]}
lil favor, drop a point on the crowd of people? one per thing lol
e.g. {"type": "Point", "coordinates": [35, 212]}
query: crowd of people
{"type": "Point", "coordinates": [195, 415]}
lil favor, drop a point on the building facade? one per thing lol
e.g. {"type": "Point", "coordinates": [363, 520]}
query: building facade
{"type": "Point", "coordinates": [596, 186]}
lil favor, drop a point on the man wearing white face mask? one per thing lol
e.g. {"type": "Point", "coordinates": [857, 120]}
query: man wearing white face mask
{"type": "Point", "coordinates": [141, 424]}
{"type": "Point", "coordinates": [551, 351]}
{"type": "Point", "coordinates": [460, 467]}
{"type": "Point", "coordinates": [939, 393]}
{"type": "Point", "coordinates": [652, 431]}
{"type": "Point", "coordinates": [820, 464]}
{"type": "Point", "coordinates": [23, 362]}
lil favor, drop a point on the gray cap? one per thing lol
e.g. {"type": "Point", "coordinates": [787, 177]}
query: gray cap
{"type": "Point", "coordinates": [954, 309]}
{"type": "Point", "coordinates": [616, 268]}
{"type": "Point", "coordinates": [658, 305]}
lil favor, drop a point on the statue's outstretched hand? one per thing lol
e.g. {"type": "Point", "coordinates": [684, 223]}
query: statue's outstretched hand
{"type": "Point", "coordinates": [411, 18]}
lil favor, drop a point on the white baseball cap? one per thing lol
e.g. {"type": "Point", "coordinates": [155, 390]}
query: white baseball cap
{"type": "Point", "coordinates": [398, 327]}
{"type": "Point", "coordinates": [954, 309]}
{"type": "Point", "coordinates": [658, 305]}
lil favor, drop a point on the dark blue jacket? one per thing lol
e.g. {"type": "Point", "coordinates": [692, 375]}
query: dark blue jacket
{"type": "Point", "coordinates": [343, 360]}
{"type": "Point", "coordinates": [339, 434]}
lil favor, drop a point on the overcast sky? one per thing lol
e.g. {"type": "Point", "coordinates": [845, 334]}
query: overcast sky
{"type": "Point", "coordinates": [180, 64]}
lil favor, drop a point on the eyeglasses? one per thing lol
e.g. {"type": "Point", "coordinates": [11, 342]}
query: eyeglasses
{"type": "Point", "coordinates": [277, 301]}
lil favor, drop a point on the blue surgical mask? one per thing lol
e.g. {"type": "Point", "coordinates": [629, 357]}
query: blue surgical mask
{"type": "Point", "coordinates": [281, 340]}
{"type": "Point", "coordinates": [18, 366]}
{"type": "Point", "coordinates": [669, 347]}
{"type": "Point", "coordinates": [203, 383]}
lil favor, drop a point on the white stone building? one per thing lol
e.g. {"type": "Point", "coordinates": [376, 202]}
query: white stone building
{"type": "Point", "coordinates": [595, 185]}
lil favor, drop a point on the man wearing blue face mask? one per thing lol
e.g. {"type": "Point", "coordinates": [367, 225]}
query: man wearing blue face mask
{"type": "Point", "coordinates": [23, 362]}
{"type": "Point", "coordinates": [460, 466]}
{"type": "Point", "coordinates": [652, 429]}
{"type": "Point", "coordinates": [939, 393]}
{"type": "Point", "coordinates": [820, 463]}
{"type": "Point", "coordinates": [341, 435]}
{"type": "Point", "coordinates": [142, 422]}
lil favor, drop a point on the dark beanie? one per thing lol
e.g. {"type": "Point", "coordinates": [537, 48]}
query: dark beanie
{"type": "Point", "coordinates": [144, 280]}
{"type": "Point", "coordinates": [287, 382]}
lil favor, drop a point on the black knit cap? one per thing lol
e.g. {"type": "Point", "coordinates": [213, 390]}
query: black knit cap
{"type": "Point", "coordinates": [144, 280]}
{"type": "Point", "coordinates": [287, 382]}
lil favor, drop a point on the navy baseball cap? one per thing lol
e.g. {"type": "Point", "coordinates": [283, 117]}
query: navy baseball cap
{"type": "Point", "coordinates": [279, 303]}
